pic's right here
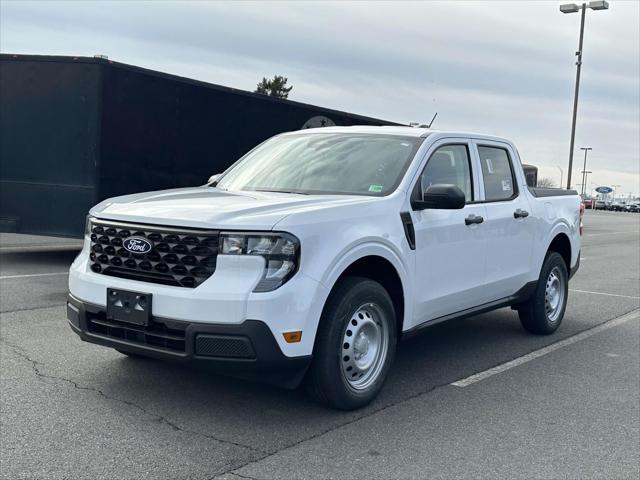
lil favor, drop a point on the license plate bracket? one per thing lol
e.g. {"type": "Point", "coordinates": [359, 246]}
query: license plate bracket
{"type": "Point", "coordinates": [128, 307]}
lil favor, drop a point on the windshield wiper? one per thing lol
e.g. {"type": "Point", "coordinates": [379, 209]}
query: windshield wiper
{"type": "Point", "coordinates": [279, 191]}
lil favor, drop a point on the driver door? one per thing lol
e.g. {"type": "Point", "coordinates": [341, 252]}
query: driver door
{"type": "Point", "coordinates": [450, 249]}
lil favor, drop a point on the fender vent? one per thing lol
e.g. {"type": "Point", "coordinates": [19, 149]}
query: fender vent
{"type": "Point", "coordinates": [409, 231]}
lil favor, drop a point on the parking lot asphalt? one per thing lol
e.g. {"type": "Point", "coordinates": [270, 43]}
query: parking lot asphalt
{"type": "Point", "coordinates": [74, 410]}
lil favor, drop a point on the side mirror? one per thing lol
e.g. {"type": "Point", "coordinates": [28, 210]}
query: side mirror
{"type": "Point", "coordinates": [441, 197]}
{"type": "Point", "coordinates": [213, 180]}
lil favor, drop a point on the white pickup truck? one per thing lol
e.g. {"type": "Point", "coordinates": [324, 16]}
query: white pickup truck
{"type": "Point", "coordinates": [316, 252]}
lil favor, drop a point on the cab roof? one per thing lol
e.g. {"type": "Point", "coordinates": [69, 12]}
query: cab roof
{"type": "Point", "coordinates": [418, 132]}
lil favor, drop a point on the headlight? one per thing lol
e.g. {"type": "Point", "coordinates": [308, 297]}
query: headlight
{"type": "Point", "coordinates": [281, 252]}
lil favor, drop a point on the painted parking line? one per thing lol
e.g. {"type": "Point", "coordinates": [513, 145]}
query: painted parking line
{"type": "Point", "coordinates": [603, 293]}
{"type": "Point", "coordinates": [465, 382]}
{"type": "Point", "coordinates": [8, 277]}
{"type": "Point", "coordinates": [41, 248]}
{"type": "Point", "coordinates": [607, 233]}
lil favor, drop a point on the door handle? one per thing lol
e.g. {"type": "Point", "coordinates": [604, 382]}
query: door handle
{"type": "Point", "coordinates": [519, 213]}
{"type": "Point", "coordinates": [471, 219]}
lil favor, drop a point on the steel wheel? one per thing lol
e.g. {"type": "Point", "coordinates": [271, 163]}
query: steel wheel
{"type": "Point", "coordinates": [554, 294]}
{"type": "Point", "coordinates": [364, 346]}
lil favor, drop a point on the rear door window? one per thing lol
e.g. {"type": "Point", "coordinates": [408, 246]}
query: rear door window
{"type": "Point", "coordinates": [497, 174]}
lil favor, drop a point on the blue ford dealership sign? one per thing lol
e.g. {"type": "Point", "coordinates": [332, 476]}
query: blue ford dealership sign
{"type": "Point", "coordinates": [604, 189]}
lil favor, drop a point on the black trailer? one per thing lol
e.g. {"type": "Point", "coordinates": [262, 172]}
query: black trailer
{"type": "Point", "coordinates": [76, 130]}
{"type": "Point", "coordinates": [530, 174]}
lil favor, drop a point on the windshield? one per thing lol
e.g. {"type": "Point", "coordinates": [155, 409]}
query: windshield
{"type": "Point", "coordinates": [318, 163]}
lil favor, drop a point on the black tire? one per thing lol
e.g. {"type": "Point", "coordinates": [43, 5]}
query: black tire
{"type": "Point", "coordinates": [326, 380]}
{"type": "Point", "coordinates": [534, 315]}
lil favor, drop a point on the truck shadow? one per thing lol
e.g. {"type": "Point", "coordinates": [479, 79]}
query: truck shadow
{"type": "Point", "coordinates": [269, 418]}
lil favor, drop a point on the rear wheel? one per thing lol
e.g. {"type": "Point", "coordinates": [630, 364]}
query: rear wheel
{"type": "Point", "coordinates": [355, 345]}
{"type": "Point", "coordinates": [542, 314]}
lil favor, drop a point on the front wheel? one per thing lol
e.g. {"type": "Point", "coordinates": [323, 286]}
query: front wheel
{"type": "Point", "coordinates": [544, 311]}
{"type": "Point", "coordinates": [355, 345]}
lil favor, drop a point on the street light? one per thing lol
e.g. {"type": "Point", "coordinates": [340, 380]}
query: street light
{"type": "Point", "coordinates": [573, 8]}
{"type": "Point", "coordinates": [584, 168]}
{"type": "Point", "coordinates": [561, 174]}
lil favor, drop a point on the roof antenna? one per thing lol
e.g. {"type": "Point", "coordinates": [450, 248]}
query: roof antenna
{"type": "Point", "coordinates": [432, 120]}
{"type": "Point", "coordinates": [423, 125]}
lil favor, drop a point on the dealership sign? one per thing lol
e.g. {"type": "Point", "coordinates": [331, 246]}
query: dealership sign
{"type": "Point", "coordinates": [319, 121]}
{"type": "Point", "coordinates": [604, 189]}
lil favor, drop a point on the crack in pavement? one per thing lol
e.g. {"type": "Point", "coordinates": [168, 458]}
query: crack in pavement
{"type": "Point", "coordinates": [36, 367]}
{"type": "Point", "coordinates": [233, 466]}
{"type": "Point", "coordinates": [383, 408]}
{"type": "Point", "coordinates": [241, 476]}
{"type": "Point", "coordinates": [229, 471]}
{"type": "Point", "coordinates": [28, 309]}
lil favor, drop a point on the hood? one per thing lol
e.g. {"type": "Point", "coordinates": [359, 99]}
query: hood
{"type": "Point", "coordinates": [208, 207]}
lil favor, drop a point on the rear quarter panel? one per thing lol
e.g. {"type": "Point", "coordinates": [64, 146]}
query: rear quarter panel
{"type": "Point", "coordinates": [554, 216]}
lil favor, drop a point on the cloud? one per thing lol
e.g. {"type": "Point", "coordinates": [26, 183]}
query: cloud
{"type": "Point", "coordinates": [500, 67]}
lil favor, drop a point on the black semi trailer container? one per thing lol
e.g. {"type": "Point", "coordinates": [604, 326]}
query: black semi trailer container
{"type": "Point", "coordinates": [76, 130]}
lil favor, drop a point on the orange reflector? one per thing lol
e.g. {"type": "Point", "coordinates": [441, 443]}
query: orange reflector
{"type": "Point", "coordinates": [292, 337]}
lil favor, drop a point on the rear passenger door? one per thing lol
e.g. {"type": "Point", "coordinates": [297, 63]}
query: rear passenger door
{"type": "Point", "coordinates": [508, 226]}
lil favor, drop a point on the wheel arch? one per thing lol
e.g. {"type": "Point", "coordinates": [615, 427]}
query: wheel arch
{"type": "Point", "coordinates": [561, 244]}
{"type": "Point", "coordinates": [381, 265]}
{"type": "Point", "coordinates": [382, 271]}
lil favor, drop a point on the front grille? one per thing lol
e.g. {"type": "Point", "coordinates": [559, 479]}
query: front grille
{"type": "Point", "coordinates": [157, 334]}
{"type": "Point", "coordinates": [178, 257]}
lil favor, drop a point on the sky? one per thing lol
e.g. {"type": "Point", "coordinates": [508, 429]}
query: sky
{"type": "Point", "coordinates": [506, 67]}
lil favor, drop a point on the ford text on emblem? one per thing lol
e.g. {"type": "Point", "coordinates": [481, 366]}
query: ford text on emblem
{"type": "Point", "coordinates": [137, 245]}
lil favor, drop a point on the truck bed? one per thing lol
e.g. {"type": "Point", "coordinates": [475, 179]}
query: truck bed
{"type": "Point", "coordinates": [551, 192]}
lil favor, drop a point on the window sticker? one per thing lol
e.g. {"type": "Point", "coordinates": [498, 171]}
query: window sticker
{"type": "Point", "coordinates": [506, 185]}
{"type": "Point", "coordinates": [375, 188]}
{"type": "Point", "coordinates": [489, 165]}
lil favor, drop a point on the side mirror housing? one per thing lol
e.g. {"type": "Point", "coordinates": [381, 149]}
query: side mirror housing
{"type": "Point", "coordinates": [213, 179]}
{"type": "Point", "coordinates": [441, 197]}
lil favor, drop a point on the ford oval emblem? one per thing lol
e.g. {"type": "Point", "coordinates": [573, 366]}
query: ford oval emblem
{"type": "Point", "coordinates": [137, 245]}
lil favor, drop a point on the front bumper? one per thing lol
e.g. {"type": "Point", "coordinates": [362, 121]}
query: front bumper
{"type": "Point", "coordinates": [246, 350]}
{"type": "Point", "coordinates": [225, 298]}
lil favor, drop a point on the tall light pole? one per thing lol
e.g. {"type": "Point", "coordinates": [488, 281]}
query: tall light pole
{"type": "Point", "coordinates": [573, 8]}
{"type": "Point", "coordinates": [585, 175]}
{"type": "Point", "coordinates": [561, 175]}
{"type": "Point", "coordinates": [584, 168]}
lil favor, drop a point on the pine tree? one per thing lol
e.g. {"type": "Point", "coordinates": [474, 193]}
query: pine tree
{"type": "Point", "coordinates": [276, 87]}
